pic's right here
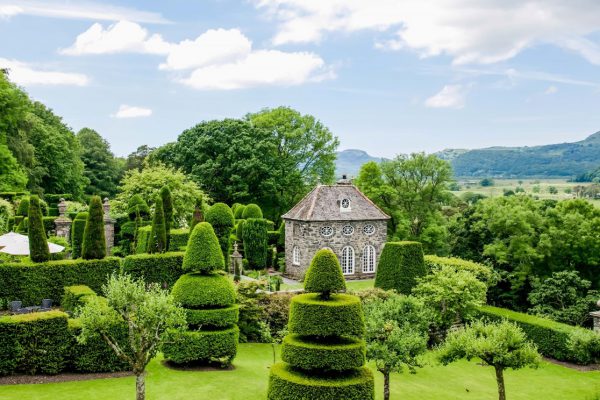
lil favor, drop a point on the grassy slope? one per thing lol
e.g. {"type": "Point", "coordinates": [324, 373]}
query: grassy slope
{"type": "Point", "coordinates": [463, 380]}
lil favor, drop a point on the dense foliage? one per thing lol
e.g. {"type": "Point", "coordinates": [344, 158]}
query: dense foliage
{"type": "Point", "coordinates": [93, 245]}
{"type": "Point", "coordinates": [101, 168]}
{"type": "Point", "coordinates": [38, 243]}
{"type": "Point", "coordinates": [203, 253]}
{"type": "Point", "coordinates": [254, 233]}
{"type": "Point", "coordinates": [399, 266]}
{"type": "Point", "coordinates": [220, 216]}
{"type": "Point", "coordinates": [163, 269]}
{"type": "Point", "coordinates": [158, 233]}
{"type": "Point", "coordinates": [324, 274]}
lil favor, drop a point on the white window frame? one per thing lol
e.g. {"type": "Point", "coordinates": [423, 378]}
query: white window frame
{"type": "Point", "coordinates": [344, 230]}
{"type": "Point", "coordinates": [368, 258]}
{"type": "Point", "coordinates": [321, 229]}
{"type": "Point", "coordinates": [345, 209]}
{"type": "Point", "coordinates": [365, 229]}
{"type": "Point", "coordinates": [347, 260]}
{"type": "Point", "coordinates": [296, 255]}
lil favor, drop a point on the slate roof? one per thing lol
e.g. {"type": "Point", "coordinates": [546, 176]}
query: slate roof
{"type": "Point", "coordinates": [323, 204]}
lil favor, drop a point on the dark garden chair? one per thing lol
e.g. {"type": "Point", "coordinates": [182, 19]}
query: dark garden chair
{"type": "Point", "coordinates": [15, 306]}
{"type": "Point", "coordinates": [46, 305]}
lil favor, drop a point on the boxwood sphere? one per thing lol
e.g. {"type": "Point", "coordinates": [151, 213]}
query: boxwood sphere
{"type": "Point", "coordinates": [201, 346]}
{"type": "Point", "coordinates": [219, 214]}
{"type": "Point", "coordinates": [287, 383]}
{"type": "Point", "coordinates": [252, 211]}
{"type": "Point", "coordinates": [341, 315]}
{"type": "Point", "coordinates": [324, 274]}
{"type": "Point", "coordinates": [213, 317]}
{"type": "Point", "coordinates": [335, 355]}
{"type": "Point", "coordinates": [239, 211]}
{"type": "Point", "coordinates": [201, 290]}
{"type": "Point", "coordinates": [203, 252]}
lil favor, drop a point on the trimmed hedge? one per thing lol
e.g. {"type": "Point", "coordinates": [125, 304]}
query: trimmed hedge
{"type": "Point", "coordinates": [324, 274]}
{"type": "Point", "coordinates": [143, 239]}
{"type": "Point", "coordinates": [203, 253]}
{"type": "Point", "coordinates": [335, 355]}
{"type": "Point", "coordinates": [75, 297]}
{"type": "Point", "coordinates": [137, 206]}
{"type": "Point", "coordinates": [399, 266]}
{"type": "Point", "coordinates": [178, 239]}
{"type": "Point", "coordinates": [220, 216]}
{"type": "Point", "coordinates": [213, 317]}
{"type": "Point", "coordinates": [77, 228]}
{"type": "Point", "coordinates": [342, 315]}
{"type": "Point", "coordinates": [38, 242]}
{"type": "Point", "coordinates": [482, 272]}
{"type": "Point", "coordinates": [288, 383]}
{"type": "Point", "coordinates": [273, 237]}
{"type": "Point", "coordinates": [252, 211]}
{"type": "Point", "coordinates": [254, 233]}
{"type": "Point", "coordinates": [93, 246]}
{"type": "Point", "coordinates": [238, 213]}
{"type": "Point", "coordinates": [163, 269]}
{"type": "Point", "coordinates": [553, 339]}
{"type": "Point", "coordinates": [158, 232]}
{"type": "Point", "coordinates": [184, 347]}
{"type": "Point", "coordinates": [198, 290]}
{"type": "Point", "coordinates": [31, 283]}
{"type": "Point", "coordinates": [48, 222]}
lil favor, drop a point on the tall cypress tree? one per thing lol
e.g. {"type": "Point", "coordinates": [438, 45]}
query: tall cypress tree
{"type": "Point", "coordinates": [94, 242]}
{"type": "Point", "coordinates": [167, 203]}
{"type": "Point", "coordinates": [158, 235]}
{"type": "Point", "coordinates": [38, 243]}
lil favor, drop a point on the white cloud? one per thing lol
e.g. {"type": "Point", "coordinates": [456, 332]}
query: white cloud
{"type": "Point", "coordinates": [551, 90]}
{"type": "Point", "coordinates": [213, 46]}
{"type": "Point", "coordinates": [263, 67]}
{"type": "Point", "coordinates": [126, 111]}
{"type": "Point", "coordinates": [469, 31]}
{"type": "Point", "coordinates": [451, 96]}
{"type": "Point", "coordinates": [26, 74]}
{"type": "Point", "coordinates": [77, 10]}
{"type": "Point", "coordinates": [124, 36]}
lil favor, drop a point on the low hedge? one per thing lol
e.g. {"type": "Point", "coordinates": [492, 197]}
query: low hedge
{"type": "Point", "coordinates": [32, 282]}
{"type": "Point", "coordinates": [287, 383]}
{"type": "Point", "coordinates": [199, 290]}
{"type": "Point", "coordinates": [308, 354]}
{"type": "Point", "coordinates": [482, 272]}
{"type": "Point", "coordinates": [75, 297]}
{"type": "Point", "coordinates": [556, 340]}
{"type": "Point", "coordinates": [399, 266]}
{"type": "Point", "coordinates": [163, 269]}
{"type": "Point", "coordinates": [213, 317]}
{"type": "Point", "coordinates": [179, 239]}
{"type": "Point", "coordinates": [49, 224]}
{"type": "Point", "coordinates": [183, 347]}
{"type": "Point", "coordinates": [143, 239]}
{"type": "Point", "coordinates": [342, 315]}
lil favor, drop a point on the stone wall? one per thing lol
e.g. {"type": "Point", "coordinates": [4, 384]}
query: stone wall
{"type": "Point", "coordinates": [307, 237]}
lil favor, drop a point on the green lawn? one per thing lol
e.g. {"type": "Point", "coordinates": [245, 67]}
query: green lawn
{"type": "Point", "coordinates": [350, 285]}
{"type": "Point", "coordinates": [463, 380]}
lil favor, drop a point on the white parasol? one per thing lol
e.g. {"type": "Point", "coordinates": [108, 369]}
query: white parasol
{"type": "Point", "coordinates": [18, 245]}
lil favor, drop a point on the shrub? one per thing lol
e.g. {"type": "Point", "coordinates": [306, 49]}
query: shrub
{"type": "Point", "coordinates": [75, 297]}
{"type": "Point", "coordinates": [94, 242]}
{"type": "Point", "coordinates": [553, 339]}
{"type": "Point", "coordinates": [167, 205]}
{"type": "Point", "coordinates": [219, 215]}
{"type": "Point", "coordinates": [38, 243]}
{"type": "Point", "coordinates": [239, 211]}
{"type": "Point", "coordinates": [324, 274]}
{"type": "Point", "coordinates": [184, 347]}
{"type": "Point", "coordinates": [399, 266]}
{"type": "Point", "coordinates": [77, 229]}
{"type": "Point", "coordinates": [137, 207]}
{"type": "Point", "coordinates": [273, 237]}
{"type": "Point", "coordinates": [196, 291]}
{"type": "Point", "coordinates": [203, 253]}
{"type": "Point", "coordinates": [482, 272]}
{"type": "Point", "coordinates": [178, 239]}
{"type": "Point", "coordinates": [252, 211]}
{"type": "Point", "coordinates": [143, 239]}
{"type": "Point", "coordinates": [158, 233]}
{"type": "Point", "coordinates": [239, 230]}
{"type": "Point", "coordinates": [255, 242]}
{"type": "Point", "coordinates": [213, 317]}
{"type": "Point", "coordinates": [163, 269]}
{"type": "Point", "coordinates": [23, 209]}
{"type": "Point", "coordinates": [309, 354]}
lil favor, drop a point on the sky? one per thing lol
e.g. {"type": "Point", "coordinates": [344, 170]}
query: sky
{"type": "Point", "coordinates": [386, 76]}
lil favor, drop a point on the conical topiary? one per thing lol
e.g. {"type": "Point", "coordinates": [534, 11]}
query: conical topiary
{"type": "Point", "coordinates": [137, 207]}
{"type": "Point", "coordinates": [323, 355]}
{"type": "Point", "coordinates": [38, 242]}
{"type": "Point", "coordinates": [94, 242]}
{"type": "Point", "coordinates": [208, 297]}
{"type": "Point", "coordinates": [167, 203]}
{"type": "Point", "coordinates": [77, 229]}
{"type": "Point", "coordinates": [220, 216]}
{"type": "Point", "coordinates": [158, 234]}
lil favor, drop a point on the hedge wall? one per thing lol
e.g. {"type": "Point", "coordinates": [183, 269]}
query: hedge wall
{"type": "Point", "coordinates": [399, 266]}
{"type": "Point", "coordinates": [163, 269]}
{"type": "Point", "coordinates": [553, 339]}
{"type": "Point", "coordinates": [49, 224]}
{"type": "Point", "coordinates": [179, 239]}
{"type": "Point", "coordinates": [143, 239]}
{"type": "Point", "coordinates": [75, 297]}
{"type": "Point", "coordinates": [30, 283]}
{"type": "Point", "coordinates": [77, 228]}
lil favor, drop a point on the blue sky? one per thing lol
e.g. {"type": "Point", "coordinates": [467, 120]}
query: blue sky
{"type": "Point", "coordinates": [386, 76]}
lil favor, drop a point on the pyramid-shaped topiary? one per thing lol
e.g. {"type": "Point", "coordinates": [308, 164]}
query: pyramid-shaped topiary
{"type": "Point", "coordinates": [38, 243]}
{"type": "Point", "coordinates": [323, 355]}
{"type": "Point", "coordinates": [208, 297]}
{"type": "Point", "coordinates": [93, 245]}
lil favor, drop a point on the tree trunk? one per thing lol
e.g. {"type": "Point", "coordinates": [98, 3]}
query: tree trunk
{"type": "Point", "coordinates": [500, 381]}
{"type": "Point", "coordinates": [140, 386]}
{"type": "Point", "coordinates": [386, 386]}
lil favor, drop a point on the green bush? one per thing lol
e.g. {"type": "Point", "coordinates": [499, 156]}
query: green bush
{"type": "Point", "coordinates": [324, 274]}
{"type": "Point", "coordinates": [288, 383]}
{"type": "Point", "coordinates": [336, 355]}
{"type": "Point", "coordinates": [399, 266]}
{"type": "Point", "coordinates": [178, 239]}
{"type": "Point", "coordinates": [167, 205]}
{"type": "Point", "coordinates": [203, 253]}
{"type": "Point", "coordinates": [220, 216]}
{"type": "Point", "coordinates": [213, 317]}
{"type": "Point", "coordinates": [482, 272]}
{"type": "Point", "coordinates": [252, 211]}
{"type": "Point", "coordinates": [158, 232]}
{"type": "Point", "coordinates": [553, 339]}
{"type": "Point", "coordinates": [23, 208]}
{"type": "Point", "coordinates": [201, 290]}
{"type": "Point", "coordinates": [136, 206]}
{"type": "Point", "coordinates": [47, 222]}
{"type": "Point", "coordinates": [239, 230]}
{"type": "Point", "coordinates": [38, 242]}
{"type": "Point", "coordinates": [93, 246]}
{"type": "Point", "coordinates": [30, 283]}
{"type": "Point", "coordinates": [239, 211]}
{"type": "Point", "coordinates": [273, 237]}
{"type": "Point", "coordinates": [77, 228]}
{"type": "Point", "coordinates": [255, 242]}
{"type": "Point", "coordinates": [163, 269]}
{"type": "Point", "coordinates": [342, 315]}
{"type": "Point", "coordinates": [184, 347]}
{"type": "Point", "coordinates": [143, 239]}
{"type": "Point", "coordinates": [75, 297]}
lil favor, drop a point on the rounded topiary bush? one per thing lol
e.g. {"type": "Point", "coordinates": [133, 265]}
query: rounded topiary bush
{"type": "Point", "coordinates": [325, 277]}
{"type": "Point", "coordinates": [252, 211]}
{"type": "Point", "coordinates": [203, 253]}
{"type": "Point", "coordinates": [220, 216]}
{"type": "Point", "coordinates": [399, 266]}
{"type": "Point", "coordinates": [184, 347]}
{"type": "Point", "coordinates": [239, 211]}
{"type": "Point", "coordinates": [136, 206]}
{"type": "Point", "coordinates": [200, 290]}
{"type": "Point", "coordinates": [335, 355]}
{"type": "Point", "coordinates": [23, 209]}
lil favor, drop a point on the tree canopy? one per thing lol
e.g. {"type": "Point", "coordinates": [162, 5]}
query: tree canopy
{"type": "Point", "coordinates": [100, 166]}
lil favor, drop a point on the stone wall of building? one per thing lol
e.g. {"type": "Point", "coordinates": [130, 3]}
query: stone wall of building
{"type": "Point", "coordinates": [308, 238]}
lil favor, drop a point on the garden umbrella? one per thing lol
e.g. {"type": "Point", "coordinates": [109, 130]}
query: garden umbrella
{"type": "Point", "coordinates": [18, 245]}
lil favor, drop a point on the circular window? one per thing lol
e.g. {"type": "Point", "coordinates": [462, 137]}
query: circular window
{"type": "Point", "coordinates": [348, 230]}
{"type": "Point", "coordinates": [369, 229]}
{"type": "Point", "coordinates": [326, 231]}
{"type": "Point", "coordinates": [345, 203]}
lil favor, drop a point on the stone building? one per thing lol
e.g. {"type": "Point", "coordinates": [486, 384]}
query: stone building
{"type": "Point", "coordinates": [338, 217]}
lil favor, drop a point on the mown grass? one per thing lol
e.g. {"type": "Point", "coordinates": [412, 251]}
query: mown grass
{"type": "Point", "coordinates": [249, 379]}
{"type": "Point", "coordinates": [350, 285]}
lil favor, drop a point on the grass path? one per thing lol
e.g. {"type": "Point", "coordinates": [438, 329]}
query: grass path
{"type": "Point", "coordinates": [463, 380]}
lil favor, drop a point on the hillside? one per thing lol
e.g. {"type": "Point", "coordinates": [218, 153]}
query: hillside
{"type": "Point", "coordinates": [349, 161]}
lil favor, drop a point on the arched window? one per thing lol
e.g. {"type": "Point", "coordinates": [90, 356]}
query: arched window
{"type": "Point", "coordinates": [369, 259]}
{"type": "Point", "coordinates": [296, 255]}
{"type": "Point", "coordinates": [347, 260]}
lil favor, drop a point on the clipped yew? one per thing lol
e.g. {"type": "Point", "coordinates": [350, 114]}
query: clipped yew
{"type": "Point", "coordinates": [399, 266]}
{"type": "Point", "coordinates": [252, 211]}
{"type": "Point", "coordinates": [167, 204]}
{"type": "Point", "coordinates": [220, 216]}
{"type": "Point", "coordinates": [38, 242]}
{"type": "Point", "coordinates": [208, 297]}
{"type": "Point", "coordinates": [94, 242]}
{"type": "Point", "coordinates": [158, 234]}
{"type": "Point", "coordinates": [323, 356]}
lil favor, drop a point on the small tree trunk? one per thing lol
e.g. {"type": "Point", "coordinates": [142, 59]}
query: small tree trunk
{"type": "Point", "coordinates": [140, 386]}
{"type": "Point", "coordinates": [386, 385]}
{"type": "Point", "coordinates": [500, 381]}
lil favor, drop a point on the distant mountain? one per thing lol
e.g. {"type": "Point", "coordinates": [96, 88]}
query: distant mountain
{"type": "Point", "coordinates": [563, 160]}
{"type": "Point", "coordinates": [349, 161]}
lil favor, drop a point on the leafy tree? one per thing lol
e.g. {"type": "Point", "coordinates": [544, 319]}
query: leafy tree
{"type": "Point", "coordinates": [12, 176]}
{"type": "Point", "coordinates": [198, 215]}
{"type": "Point", "coordinates": [100, 166]}
{"type": "Point", "coordinates": [371, 182]}
{"type": "Point", "coordinates": [158, 235]}
{"type": "Point", "coordinates": [94, 243]}
{"type": "Point", "coordinates": [147, 311]}
{"type": "Point", "coordinates": [500, 345]}
{"type": "Point", "coordinates": [38, 243]}
{"type": "Point", "coordinates": [135, 160]}
{"type": "Point", "coordinates": [486, 182]}
{"type": "Point", "coordinates": [167, 205]}
{"type": "Point", "coordinates": [564, 297]}
{"type": "Point", "coordinates": [396, 335]}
